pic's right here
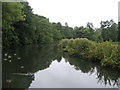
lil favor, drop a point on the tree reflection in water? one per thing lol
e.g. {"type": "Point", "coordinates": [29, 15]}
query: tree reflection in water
{"type": "Point", "coordinates": [34, 58]}
{"type": "Point", "coordinates": [105, 75]}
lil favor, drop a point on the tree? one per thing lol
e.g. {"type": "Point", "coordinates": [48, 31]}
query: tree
{"type": "Point", "coordinates": [56, 32]}
{"type": "Point", "coordinates": [79, 32]}
{"type": "Point", "coordinates": [109, 30]}
{"type": "Point", "coordinates": [85, 32]}
{"type": "Point", "coordinates": [119, 31]}
{"type": "Point", "coordinates": [97, 35]}
{"type": "Point", "coordinates": [26, 28]}
{"type": "Point", "coordinates": [11, 13]}
{"type": "Point", "coordinates": [43, 31]}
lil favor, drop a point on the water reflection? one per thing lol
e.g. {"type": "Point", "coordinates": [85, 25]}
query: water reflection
{"type": "Point", "coordinates": [104, 75]}
{"type": "Point", "coordinates": [63, 75]}
{"type": "Point", "coordinates": [37, 67]}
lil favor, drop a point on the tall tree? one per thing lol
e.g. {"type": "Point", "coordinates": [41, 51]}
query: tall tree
{"type": "Point", "coordinates": [11, 13]}
{"type": "Point", "coordinates": [109, 30]}
{"type": "Point", "coordinates": [25, 29]}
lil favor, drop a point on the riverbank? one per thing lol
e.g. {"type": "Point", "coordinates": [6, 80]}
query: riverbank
{"type": "Point", "coordinates": [105, 53]}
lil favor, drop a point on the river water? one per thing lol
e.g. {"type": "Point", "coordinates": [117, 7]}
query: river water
{"type": "Point", "coordinates": [47, 67]}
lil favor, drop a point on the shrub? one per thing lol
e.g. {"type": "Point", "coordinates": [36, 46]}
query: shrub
{"type": "Point", "coordinates": [107, 53]}
{"type": "Point", "coordinates": [79, 46]}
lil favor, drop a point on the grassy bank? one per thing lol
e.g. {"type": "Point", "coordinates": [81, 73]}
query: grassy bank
{"type": "Point", "coordinates": [106, 53]}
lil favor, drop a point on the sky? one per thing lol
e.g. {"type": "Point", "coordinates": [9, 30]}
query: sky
{"type": "Point", "coordinates": [76, 12]}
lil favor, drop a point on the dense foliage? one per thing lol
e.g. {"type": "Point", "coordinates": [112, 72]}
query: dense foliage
{"type": "Point", "coordinates": [21, 27]}
{"type": "Point", "coordinates": [107, 53]}
{"type": "Point", "coordinates": [11, 13]}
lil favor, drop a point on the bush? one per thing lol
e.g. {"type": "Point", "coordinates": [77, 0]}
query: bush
{"type": "Point", "coordinates": [106, 53]}
{"type": "Point", "coordinates": [79, 46]}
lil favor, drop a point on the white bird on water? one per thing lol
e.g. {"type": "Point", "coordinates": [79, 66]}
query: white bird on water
{"type": "Point", "coordinates": [18, 58]}
{"type": "Point", "coordinates": [5, 54]}
{"type": "Point", "coordinates": [10, 61]}
{"type": "Point", "coordinates": [14, 54]}
{"type": "Point", "coordinates": [8, 81]}
{"type": "Point", "coordinates": [22, 66]}
{"type": "Point", "coordinates": [9, 56]}
{"type": "Point", "coordinates": [5, 59]}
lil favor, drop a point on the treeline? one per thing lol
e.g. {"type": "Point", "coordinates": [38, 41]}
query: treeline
{"type": "Point", "coordinates": [21, 26]}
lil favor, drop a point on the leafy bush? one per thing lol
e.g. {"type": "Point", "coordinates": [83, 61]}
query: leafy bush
{"type": "Point", "coordinates": [106, 53]}
{"type": "Point", "coordinates": [79, 46]}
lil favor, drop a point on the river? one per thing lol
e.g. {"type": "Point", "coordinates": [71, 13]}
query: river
{"type": "Point", "coordinates": [47, 67]}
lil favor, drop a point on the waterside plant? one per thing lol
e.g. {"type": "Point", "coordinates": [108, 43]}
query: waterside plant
{"type": "Point", "coordinates": [106, 53]}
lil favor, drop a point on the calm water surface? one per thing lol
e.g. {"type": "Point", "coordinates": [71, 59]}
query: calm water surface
{"type": "Point", "coordinates": [48, 67]}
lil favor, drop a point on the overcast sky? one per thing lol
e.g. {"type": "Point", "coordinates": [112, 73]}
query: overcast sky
{"type": "Point", "coordinates": [76, 12]}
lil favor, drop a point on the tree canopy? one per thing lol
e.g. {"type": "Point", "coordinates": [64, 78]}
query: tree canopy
{"type": "Point", "coordinates": [21, 26]}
